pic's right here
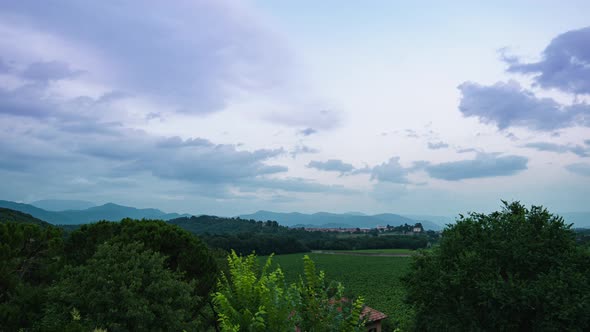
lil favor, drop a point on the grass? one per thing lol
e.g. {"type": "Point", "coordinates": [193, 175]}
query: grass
{"type": "Point", "coordinates": [380, 251]}
{"type": "Point", "coordinates": [375, 278]}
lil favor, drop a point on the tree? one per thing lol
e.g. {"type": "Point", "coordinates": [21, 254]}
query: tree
{"type": "Point", "coordinates": [250, 299]}
{"type": "Point", "coordinates": [184, 252]}
{"type": "Point", "coordinates": [516, 269]}
{"type": "Point", "coordinates": [30, 258]}
{"type": "Point", "coordinates": [123, 287]}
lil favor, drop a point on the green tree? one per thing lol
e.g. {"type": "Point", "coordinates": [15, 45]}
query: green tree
{"type": "Point", "coordinates": [254, 299]}
{"type": "Point", "coordinates": [30, 258]}
{"type": "Point", "coordinates": [512, 270]}
{"type": "Point", "coordinates": [122, 287]}
{"type": "Point", "coordinates": [184, 252]}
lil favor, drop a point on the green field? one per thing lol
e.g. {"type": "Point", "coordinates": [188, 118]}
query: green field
{"type": "Point", "coordinates": [381, 251]}
{"type": "Point", "coordinates": [375, 278]}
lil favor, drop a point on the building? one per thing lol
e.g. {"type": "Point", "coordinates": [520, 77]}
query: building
{"type": "Point", "coordinates": [374, 319]}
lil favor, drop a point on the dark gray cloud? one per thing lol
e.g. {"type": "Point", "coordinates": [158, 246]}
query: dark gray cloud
{"type": "Point", "coordinates": [579, 150]}
{"type": "Point", "coordinates": [484, 165]}
{"type": "Point", "coordinates": [437, 145]}
{"type": "Point", "coordinates": [307, 132]}
{"type": "Point", "coordinates": [565, 63]}
{"type": "Point", "coordinates": [331, 165]}
{"type": "Point", "coordinates": [579, 168]}
{"type": "Point", "coordinates": [508, 104]}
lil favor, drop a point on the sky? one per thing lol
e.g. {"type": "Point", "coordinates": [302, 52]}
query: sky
{"type": "Point", "coordinates": [229, 107]}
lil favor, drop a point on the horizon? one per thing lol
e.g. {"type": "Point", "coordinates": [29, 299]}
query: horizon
{"type": "Point", "coordinates": [403, 214]}
{"type": "Point", "coordinates": [223, 108]}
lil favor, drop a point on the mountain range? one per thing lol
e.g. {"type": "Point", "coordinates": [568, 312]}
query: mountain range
{"type": "Point", "coordinates": [62, 204]}
{"type": "Point", "coordinates": [107, 211]}
{"type": "Point", "coordinates": [114, 212]}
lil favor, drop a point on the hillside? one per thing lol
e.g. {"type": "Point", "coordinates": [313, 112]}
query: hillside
{"type": "Point", "coordinates": [8, 215]}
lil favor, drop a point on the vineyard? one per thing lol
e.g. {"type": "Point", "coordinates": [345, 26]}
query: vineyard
{"type": "Point", "coordinates": [375, 278]}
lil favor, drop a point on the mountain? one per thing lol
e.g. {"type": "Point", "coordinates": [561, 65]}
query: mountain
{"type": "Point", "coordinates": [8, 215]}
{"type": "Point", "coordinates": [107, 211]}
{"type": "Point", "coordinates": [48, 216]}
{"type": "Point", "coordinates": [327, 220]}
{"type": "Point", "coordinates": [62, 204]}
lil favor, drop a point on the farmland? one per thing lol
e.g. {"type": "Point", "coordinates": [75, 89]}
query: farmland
{"type": "Point", "coordinates": [375, 278]}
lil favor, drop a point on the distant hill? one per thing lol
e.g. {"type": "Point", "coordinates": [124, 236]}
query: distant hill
{"type": "Point", "coordinates": [440, 220]}
{"type": "Point", "coordinates": [220, 225]}
{"type": "Point", "coordinates": [8, 215]}
{"type": "Point", "coordinates": [62, 204]}
{"type": "Point", "coordinates": [328, 220]}
{"type": "Point", "coordinates": [48, 216]}
{"type": "Point", "coordinates": [107, 211]}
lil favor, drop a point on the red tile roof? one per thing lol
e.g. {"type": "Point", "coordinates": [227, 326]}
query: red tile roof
{"type": "Point", "coordinates": [372, 315]}
{"type": "Point", "coordinates": [369, 313]}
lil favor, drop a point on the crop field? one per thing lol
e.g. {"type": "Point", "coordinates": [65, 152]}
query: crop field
{"type": "Point", "coordinates": [381, 251]}
{"type": "Point", "coordinates": [376, 278]}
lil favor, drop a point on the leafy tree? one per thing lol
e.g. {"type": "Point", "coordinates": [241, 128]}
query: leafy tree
{"type": "Point", "coordinates": [516, 270]}
{"type": "Point", "coordinates": [250, 299]}
{"type": "Point", "coordinates": [184, 252]}
{"type": "Point", "coordinates": [322, 307]}
{"type": "Point", "coordinates": [30, 258]}
{"type": "Point", "coordinates": [123, 287]}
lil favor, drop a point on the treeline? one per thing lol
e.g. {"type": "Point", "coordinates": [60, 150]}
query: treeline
{"type": "Point", "coordinates": [125, 276]}
{"type": "Point", "coordinates": [264, 238]}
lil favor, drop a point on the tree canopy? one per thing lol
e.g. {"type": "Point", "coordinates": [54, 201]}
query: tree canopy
{"type": "Point", "coordinates": [517, 269]}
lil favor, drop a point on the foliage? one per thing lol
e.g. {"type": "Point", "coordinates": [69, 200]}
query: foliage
{"type": "Point", "coordinates": [30, 258]}
{"type": "Point", "coordinates": [184, 252]}
{"type": "Point", "coordinates": [324, 308]}
{"type": "Point", "coordinates": [8, 215]}
{"type": "Point", "coordinates": [247, 300]}
{"type": "Point", "coordinates": [250, 299]}
{"type": "Point", "coordinates": [517, 269]}
{"type": "Point", "coordinates": [122, 287]}
{"type": "Point", "coordinates": [377, 279]}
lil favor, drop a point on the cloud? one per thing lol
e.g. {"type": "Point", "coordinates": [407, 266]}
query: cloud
{"type": "Point", "coordinates": [560, 148]}
{"type": "Point", "coordinates": [437, 145]}
{"type": "Point", "coordinates": [295, 185]}
{"type": "Point", "coordinates": [196, 57]}
{"type": "Point", "coordinates": [582, 169]}
{"type": "Point", "coordinates": [302, 149]}
{"type": "Point", "coordinates": [509, 105]}
{"type": "Point", "coordinates": [331, 165]}
{"type": "Point", "coordinates": [484, 165]}
{"type": "Point", "coordinates": [565, 63]}
{"type": "Point", "coordinates": [390, 171]}
{"type": "Point", "coordinates": [466, 150]}
{"type": "Point", "coordinates": [49, 71]}
{"type": "Point", "coordinates": [307, 132]}
{"type": "Point", "coordinates": [587, 142]}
